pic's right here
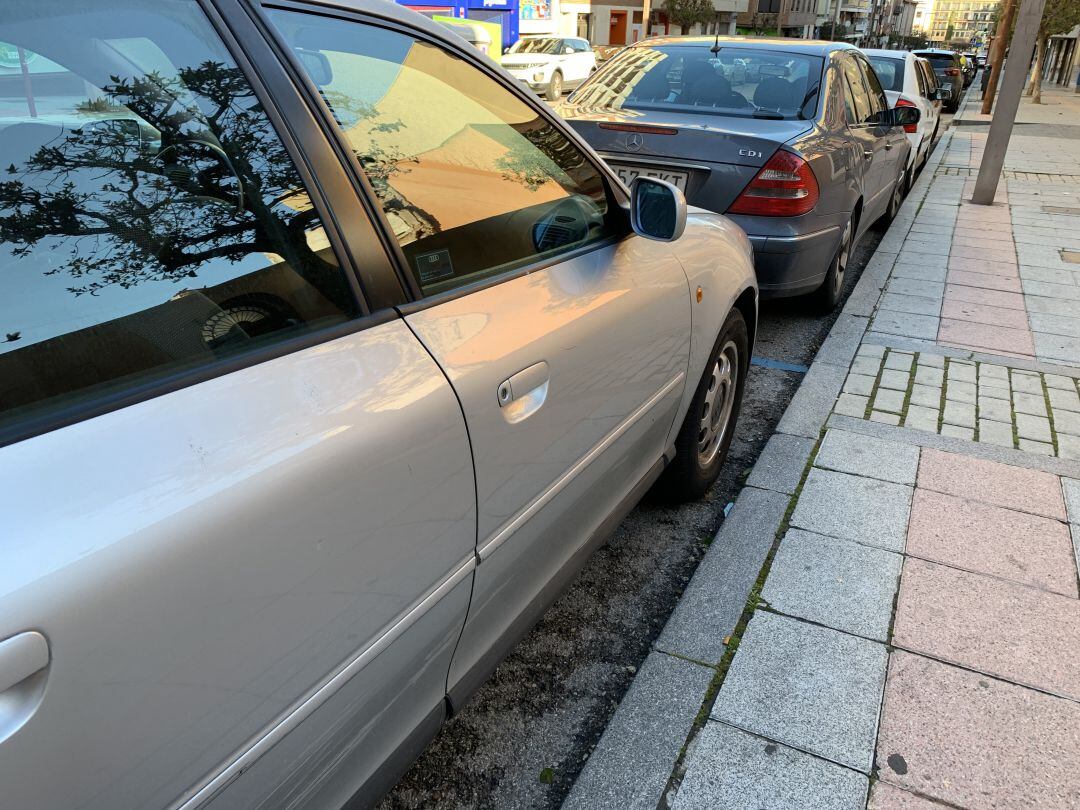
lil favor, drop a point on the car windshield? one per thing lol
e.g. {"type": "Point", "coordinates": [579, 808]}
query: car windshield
{"type": "Point", "coordinates": [890, 72]}
{"type": "Point", "coordinates": [537, 45]}
{"type": "Point", "coordinates": [740, 82]}
{"type": "Point", "coordinates": [940, 61]}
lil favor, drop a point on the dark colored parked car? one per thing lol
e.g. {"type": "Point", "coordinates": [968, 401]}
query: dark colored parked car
{"type": "Point", "coordinates": [794, 140]}
{"type": "Point", "coordinates": [950, 75]}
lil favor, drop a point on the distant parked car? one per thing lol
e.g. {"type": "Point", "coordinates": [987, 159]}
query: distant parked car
{"type": "Point", "coordinates": [950, 75]}
{"type": "Point", "coordinates": [794, 140]}
{"type": "Point", "coordinates": [908, 82]}
{"type": "Point", "coordinates": [970, 68]}
{"type": "Point", "coordinates": [550, 65]}
{"type": "Point", "coordinates": [312, 400]}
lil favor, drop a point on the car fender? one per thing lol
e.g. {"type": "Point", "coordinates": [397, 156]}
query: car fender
{"type": "Point", "coordinates": [716, 256]}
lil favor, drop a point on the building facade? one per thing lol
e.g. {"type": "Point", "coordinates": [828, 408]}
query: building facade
{"type": "Point", "coordinates": [962, 24]}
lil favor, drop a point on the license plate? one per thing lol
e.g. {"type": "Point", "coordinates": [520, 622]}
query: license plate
{"type": "Point", "coordinates": [628, 173]}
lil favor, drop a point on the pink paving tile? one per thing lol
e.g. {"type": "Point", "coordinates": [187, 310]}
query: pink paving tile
{"type": "Point", "coordinates": [982, 313]}
{"type": "Point", "coordinates": [1014, 632]}
{"type": "Point", "coordinates": [1007, 269]}
{"type": "Point", "coordinates": [986, 337]}
{"type": "Point", "coordinates": [981, 236]}
{"type": "Point", "coordinates": [987, 251]}
{"type": "Point", "coordinates": [888, 797]}
{"type": "Point", "coordinates": [962, 738]}
{"type": "Point", "coordinates": [992, 298]}
{"type": "Point", "coordinates": [997, 352]}
{"type": "Point", "coordinates": [990, 540]}
{"type": "Point", "coordinates": [978, 239]}
{"type": "Point", "coordinates": [984, 281]}
{"type": "Point", "coordinates": [991, 482]}
{"type": "Point", "coordinates": [967, 224]}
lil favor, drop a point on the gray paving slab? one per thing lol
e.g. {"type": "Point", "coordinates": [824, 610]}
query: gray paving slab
{"type": "Point", "coordinates": [837, 583]}
{"type": "Point", "coordinates": [813, 401]}
{"type": "Point", "coordinates": [864, 455]}
{"type": "Point", "coordinates": [632, 763]}
{"type": "Point", "coordinates": [712, 603]}
{"type": "Point", "coordinates": [728, 769]}
{"type": "Point", "coordinates": [815, 689]}
{"type": "Point", "coordinates": [780, 465]}
{"type": "Point", "coordinates": [854, 508]}
{"type": "Point", "coordinates": [906, 324]}
{"type": "Point", "coordinates": [1071, 488]}
{"type": "Point", "coordinates": [914, 304]}
{"type": "Point", "coordinates": [844, 337]}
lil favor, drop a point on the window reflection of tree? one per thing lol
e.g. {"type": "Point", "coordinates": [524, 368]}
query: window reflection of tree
{"type": "Point", "coordinates": [219, 186]}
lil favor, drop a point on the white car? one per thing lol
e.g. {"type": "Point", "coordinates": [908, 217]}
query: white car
{"type": "Point", "coordinates": [550, 64]}
{"type": "Point", "coordinates": [908, 81]}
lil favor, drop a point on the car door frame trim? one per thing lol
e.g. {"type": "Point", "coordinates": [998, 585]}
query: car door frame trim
{"type": "Point", "coordinates": [503, 533]}
{"type": "Point", "coordinates": [213, 784]}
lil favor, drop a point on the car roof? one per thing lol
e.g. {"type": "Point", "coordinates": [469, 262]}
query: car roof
{"type": "Point", "coordinates": [887, 53]}
{"type": "Point", "coordinates": [810, 47]}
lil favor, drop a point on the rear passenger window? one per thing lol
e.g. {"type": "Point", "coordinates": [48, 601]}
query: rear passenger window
{"type": "Point", "coordinates": [473, 181]}
{"type": "Point", "coordinates": [878, 102]}
{"type": "Point", "coordinates": [151, 221]}
{"type": "Point", "coordinates": [858, 101]}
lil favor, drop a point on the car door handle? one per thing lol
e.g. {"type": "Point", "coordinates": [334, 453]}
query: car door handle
{"type": "Point", "coordinates": [521, 395]}
{"type": "Point", "coordinates": [888, 145]}
{"type": "Point", "coordinates": [868, 154]}
{"type": "Point", "coordinates": [22, 656]}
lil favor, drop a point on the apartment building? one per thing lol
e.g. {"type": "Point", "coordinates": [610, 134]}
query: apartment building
{"type": "Point", "coordinates": [962, 23]}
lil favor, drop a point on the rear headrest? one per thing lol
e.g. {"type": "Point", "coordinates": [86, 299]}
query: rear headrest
{"type": "Point", "coordinates": [775, 93]}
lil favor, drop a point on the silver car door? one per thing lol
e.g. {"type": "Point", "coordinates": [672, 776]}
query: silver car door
{"type": "Point", "coordinates": [565, 340]}
{"type": "Point", "coordinates": [239, 513]}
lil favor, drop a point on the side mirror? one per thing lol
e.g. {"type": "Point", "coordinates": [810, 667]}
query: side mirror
{"type": "Point", "coordinates": [657, 209]}
{"type": "Point", "coordinates": [316, 64]}
{"type": "Point", "coordinates": [567, 50]}
{"type": "Point", "coordinates": [904, 116]}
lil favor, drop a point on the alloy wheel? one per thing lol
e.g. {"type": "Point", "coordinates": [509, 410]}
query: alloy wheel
{"type": "Point", "coordinates": [718, 404]}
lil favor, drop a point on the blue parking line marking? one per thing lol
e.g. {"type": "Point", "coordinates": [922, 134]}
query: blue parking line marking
{"type": "Point", "coordinates": [766, 362]}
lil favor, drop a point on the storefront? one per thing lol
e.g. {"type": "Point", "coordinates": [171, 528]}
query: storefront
{"type": "Point", "coordinates": [505, 13]}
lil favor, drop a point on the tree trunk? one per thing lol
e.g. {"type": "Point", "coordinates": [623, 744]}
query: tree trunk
{"type": "Point", "coordinates": [1036, 80]}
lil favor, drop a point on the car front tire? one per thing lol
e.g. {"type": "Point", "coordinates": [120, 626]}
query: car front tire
{"type": "Point", "coordinates": [705, 437]}
{"type": "Point", "coordinates": [555, 87]}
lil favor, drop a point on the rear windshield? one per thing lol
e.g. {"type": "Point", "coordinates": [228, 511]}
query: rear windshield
{"type": "Point", "coordinates": [890, 72]}
{"type": "Point", "coordinates": [940, 61]}
{"type": "Point", "coordinates": [744, 83]}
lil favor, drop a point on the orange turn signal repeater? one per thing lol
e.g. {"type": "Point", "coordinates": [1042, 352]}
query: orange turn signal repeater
{"type": "Point", "coordinates": [700, 294]}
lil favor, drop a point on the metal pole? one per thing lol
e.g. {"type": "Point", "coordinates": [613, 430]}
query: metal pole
{"type": "Point", "coordinates": [997, 54]}
{"type": "Point", "coordinates": [997, 142]}
{"type": "Point", "coordinates": [646, 10]}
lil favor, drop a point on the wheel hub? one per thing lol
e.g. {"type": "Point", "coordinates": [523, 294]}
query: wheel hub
{"type": "Point", "coordinates": [718, 404]}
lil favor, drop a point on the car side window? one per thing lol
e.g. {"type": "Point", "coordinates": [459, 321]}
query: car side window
{"type": "Point", "coordinates": [472, 179]}
{"type": "Point", "coordinates": [151, 219]}
{"type": "Point", "coordinates": [858, 100]}
{"type": "Point", "coordinates": [878, 101]}
{"type": "Point", "coordinates": [920, 80]}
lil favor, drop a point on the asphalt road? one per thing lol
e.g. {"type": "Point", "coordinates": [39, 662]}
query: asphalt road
{"type": "Point", "coordinates": [525, 735]}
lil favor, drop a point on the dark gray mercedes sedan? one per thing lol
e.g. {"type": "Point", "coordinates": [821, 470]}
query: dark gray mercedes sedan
{"type": "Point", "coordinates": [793, 139]}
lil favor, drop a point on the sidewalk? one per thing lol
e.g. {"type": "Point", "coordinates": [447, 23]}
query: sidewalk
{"type": "Point", "coordinates": [910, 538]}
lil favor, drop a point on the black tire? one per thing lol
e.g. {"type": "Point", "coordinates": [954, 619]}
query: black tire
{"type": "Point", "coordinates": [827, 296]}
{"type": "Point", "coordinates": [555, 87]}
{"type": "Point", "coordinates": [900, 190]}
{"type": "Point", "coordinates": [698, 462]}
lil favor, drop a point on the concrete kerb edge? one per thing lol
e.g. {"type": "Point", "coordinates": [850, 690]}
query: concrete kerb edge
{"type": "Point", "coordinates": [806, 415]}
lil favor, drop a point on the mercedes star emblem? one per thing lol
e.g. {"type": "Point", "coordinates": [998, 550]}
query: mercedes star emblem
{"type": "Point", "coordinates": [634, 141]}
